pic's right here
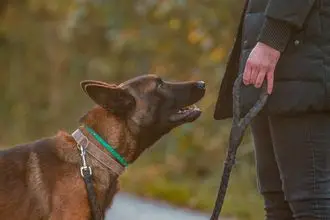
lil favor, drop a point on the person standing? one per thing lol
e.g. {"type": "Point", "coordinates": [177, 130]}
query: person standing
{"type": "Point", "coordinates": [286, 44]}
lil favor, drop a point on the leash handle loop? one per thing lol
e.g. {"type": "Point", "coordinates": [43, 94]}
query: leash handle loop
{"type": "Point", "coordinates": [246, 120]}
{"type": "Point", "coordinates": [236, 135]}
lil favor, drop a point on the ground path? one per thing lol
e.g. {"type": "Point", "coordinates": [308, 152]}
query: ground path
{"type": "Point", "coordinates": [127, 207]}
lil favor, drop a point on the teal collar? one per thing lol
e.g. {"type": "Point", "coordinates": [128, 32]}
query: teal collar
{"type": "Point", "coordinates": [107, 146]}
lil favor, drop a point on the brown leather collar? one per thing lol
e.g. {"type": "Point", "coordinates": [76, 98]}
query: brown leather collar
{"type": "Point", "coordinates": [91, 148]}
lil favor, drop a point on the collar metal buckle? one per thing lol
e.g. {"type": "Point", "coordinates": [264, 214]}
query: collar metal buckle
{"type": "Point", "coordinates": [84, 169]}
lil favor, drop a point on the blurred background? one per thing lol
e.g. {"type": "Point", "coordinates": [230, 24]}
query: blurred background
{"type": "Point", "coordinates": [48, 47]}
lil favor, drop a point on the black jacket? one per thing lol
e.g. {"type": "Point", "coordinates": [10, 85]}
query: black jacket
{"type": "Point", "coordinates": [300, 29]}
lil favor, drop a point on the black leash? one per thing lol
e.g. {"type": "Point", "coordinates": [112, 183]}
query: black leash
{"type": "Point", "coordinates": [239, 125]}
{"type": "Point", "coordinates": [87, 175]}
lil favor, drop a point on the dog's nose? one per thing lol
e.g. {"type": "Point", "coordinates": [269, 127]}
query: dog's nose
{"type": "Point", "coordinates": [201, 85]}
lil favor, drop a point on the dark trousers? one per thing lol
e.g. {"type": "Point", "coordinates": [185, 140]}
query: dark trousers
{"type": "Point", "coordinates": [293, 165]}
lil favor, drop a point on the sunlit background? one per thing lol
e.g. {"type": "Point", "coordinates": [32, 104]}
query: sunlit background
{"type": "Point", "coordinates": [48, 47]}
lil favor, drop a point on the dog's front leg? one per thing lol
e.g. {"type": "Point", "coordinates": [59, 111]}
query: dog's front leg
{"type": "Point", "coordinates": [69, 200]}
{"type": "Point", "coordinates": [70, 210]}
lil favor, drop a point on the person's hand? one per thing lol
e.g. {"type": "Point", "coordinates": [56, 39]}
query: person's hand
{"type": "Point", "coordinates": [260, 64]}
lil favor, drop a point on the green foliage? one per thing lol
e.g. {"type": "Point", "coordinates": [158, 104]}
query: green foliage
{"type": "Point", "coordinates": [47, 47]}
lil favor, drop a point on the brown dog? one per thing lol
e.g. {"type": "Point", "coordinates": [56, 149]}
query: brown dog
{"type": "Point", "coordinates": [42, 180]}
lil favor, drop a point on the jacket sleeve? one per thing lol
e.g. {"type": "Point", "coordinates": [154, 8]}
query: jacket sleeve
{"type": "Point", "coordinates": [292, 11]}
{"type": "Point", "coordinates": [282, 16]}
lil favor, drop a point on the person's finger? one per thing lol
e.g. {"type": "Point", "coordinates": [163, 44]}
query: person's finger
{"type": "Point", "coordinates": [254, 73]}
{"type": "Point", "coordinates": [247, 73]}
{"type": "Point", "coordinates": [270, 81]}
{"type": "Point", "coordinates": [260, 78]}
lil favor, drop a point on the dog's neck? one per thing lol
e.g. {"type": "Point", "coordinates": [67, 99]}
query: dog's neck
{"type": "Point", "coordinates": [114, 131]}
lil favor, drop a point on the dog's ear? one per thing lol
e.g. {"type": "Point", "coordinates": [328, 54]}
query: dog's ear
{"type": "Point", "coordinates": [111, 97]}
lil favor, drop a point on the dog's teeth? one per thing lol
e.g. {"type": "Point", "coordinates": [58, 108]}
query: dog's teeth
{"type": "Point", "coordinates": [187, 109]}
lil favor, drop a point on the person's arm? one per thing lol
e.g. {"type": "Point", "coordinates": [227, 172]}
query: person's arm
{"type": "Point", "coordinates": [282, 16]}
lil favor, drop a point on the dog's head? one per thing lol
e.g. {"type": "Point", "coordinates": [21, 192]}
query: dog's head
{"type": "Point", "coordinates": [150, 106]}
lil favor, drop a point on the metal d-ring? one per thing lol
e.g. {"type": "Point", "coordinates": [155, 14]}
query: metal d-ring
{"type": "Point", "coordinates": [84, 167]}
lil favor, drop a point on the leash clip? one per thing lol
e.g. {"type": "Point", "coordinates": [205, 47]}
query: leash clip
{"type": "Point", "coordinates": [84, 169]}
